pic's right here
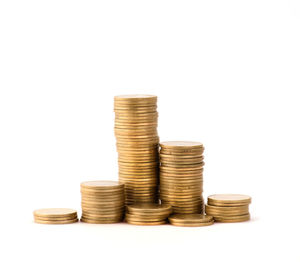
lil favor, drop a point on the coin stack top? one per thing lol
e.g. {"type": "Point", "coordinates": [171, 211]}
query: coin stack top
{"type": "Point", "coordinates": [55, 216]}
{"type": "Point", "coordinates": [137, 145]}
{"type": "Point", "coordinates": [191, 220]}
{"type": "Point", "coordinates": [102, 202]}
{"type": "Point", "coordinates": [228, 207]}
{"type": "Point", "coordinates": [181, 176]}
{"type": "Point", "coordinates": [148, 214]}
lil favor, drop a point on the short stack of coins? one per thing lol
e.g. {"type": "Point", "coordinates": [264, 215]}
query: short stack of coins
{"type": "Point", "coordinates": [55, 216]}
{"type": "Point", "coordinates": [148, 214]}
{"type": "Point", "coordinates": [102, 202]}
{"type": "Point", "coordinates": [228, 207]}
{"type": "Point", "coordinates": [181, 176]}
{"type": "Point", "coordinates": [137, 145]}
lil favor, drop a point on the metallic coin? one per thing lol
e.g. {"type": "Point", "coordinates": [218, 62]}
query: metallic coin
{"type": "Point", "coordinates": [233, 219]}
{"type": "Point", "coordinates": [69, 221]}
{"type": "Point", "coordinates": [228, 200]}
{"type": "Point", "coordinates": [149, 208]}
{"type": "Point", "coordinates": [135, 98]}
{"type": "Point", "coordinates": [102, 185]}
{"type": "Point", "coordinates": [101, 221]}
{"type": "Point", "coordinates": [55, 213]}
{"type": "Point", "coordinates": [55, 218]}
{"type": "Point", "coordinates": [129, 221]}
{"type": "Point", "coordinates": [186, 152]}
{"type": "Point", "coordinates": [181, 144]}
{"type": "Point", "coordinates": [227, 209]}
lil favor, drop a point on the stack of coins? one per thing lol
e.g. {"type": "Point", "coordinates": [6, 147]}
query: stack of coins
{"type": "Point", "coordinates": [148, 214]}
{"type": "Point", "coordinates": [55, 216]}
{"type": "Point", "coordinates": [137, 145]}
{"type": "Point", "coordinates": [191, 220]}
{"type": "Point", "coordinates": [102, 202]}
{"type": "Point", "coordinates": [228, 207]}
{"type": "Point", "coordinates": [181, 176]}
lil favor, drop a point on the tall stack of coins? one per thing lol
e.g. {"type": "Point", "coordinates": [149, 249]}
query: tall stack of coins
{"type": "Point", "coordinates": [181, 176]}
{"type": "Point", "coordinates": [102, 202]}
{"type": "Point", "coordinates": [148, 214]}
{"type": "Point", "coordinates": [55, 216]}
{"type": "Point", "coordinates": [137, 145]}
{"type": "Point", "coordinates": [228, 207]}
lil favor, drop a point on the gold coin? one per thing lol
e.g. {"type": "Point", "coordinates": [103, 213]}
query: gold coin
{"type": "Point", "coordinates": [228, 200]}
{"type": "Point", "coordinates": [182, 157]}
{"type": "Point", "coordinates": [55, 218]}
{"type": "Point", "coordinates": [101, 221]}
{"type": "Point", "coordinates": [149, 208]}
{"type": "Point", "coordinates": [186, 152]}
{"type": "Point", "coordinates": [146, 223]}
{"type": "Point", "coordinates": [69, 221]}
{"type": "Point", "coordinates": [134, 218]}
{"type": "Point", "coordinates": [181, 144]}
{"type": "Point", "coordinates": [55, 213]}
{"type": "Point", "coordinates": [227, 209]}
{"type": "Point", "coordinates": [135, 98]}
{"type": "Point", "coordinates": [191, 220]}
{"type": "Point", "coordinates": [102, 185]}
{"type": "Point", "coordinates": [233, 219]}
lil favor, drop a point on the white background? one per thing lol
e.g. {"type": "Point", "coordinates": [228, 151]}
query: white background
{"type": "Point", "coordinates": [226, 74]}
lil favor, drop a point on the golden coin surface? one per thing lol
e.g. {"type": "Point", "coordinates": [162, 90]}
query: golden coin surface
{"type": "Point", "coordinates": [228, 199]}
{"type": "Point", "coordinates": [190, 218]}
{"type": "Point", "coordinates": [129, 221]}
{"type": "Point", "coordinates": [67, 221]}
{"type": "Point", "coordinates": [233, 219]}
{"type": "Point", "coordinates": [135, 97]}
{"type": "Point", "coordinates": [227, 209]}
{"type": "Point", "coordinates": [100, 221]}
{"type": "Point", "coordinates": [102, 184]}
{"type": "Point", "coordinates": [181, 144]}
{"type": "Point", "coordinates": [149, 208]}
{"type": "Point", "coordinates": [55, 212]}
{"type": "Point", "coordinates": [139, 218]}
{"type": "Point", "coordinates": [191, 224]}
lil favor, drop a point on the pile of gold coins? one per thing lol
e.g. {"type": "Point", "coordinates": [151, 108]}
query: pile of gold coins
{"type": "Point", "coordinates": [102, 202]}
{"type": "Point", "coordinates": [55, 216]}
{"type": "Point", "coordinates": [156, 186]}
{"type": "Point", "coordinates": [181, 179]}
{"type": "Point", "coordinates": [137, 145]}
{"type": "Point", "coordinates": [191, 220]}
{"type": "Point", "coordinates": [148, 214]}
{"type": "Point", "coordinates": [228, 207]}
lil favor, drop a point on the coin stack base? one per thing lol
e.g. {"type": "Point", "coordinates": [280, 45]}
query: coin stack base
{"type": "Point", "coordinates": [55, 216]}
{"type": "Point", "coordinates": [148, 214]}
{"type": "Point", "coordinates": [137, 146]}
{"type": "Point", "coordinates": [102, 202]}
{"type": "Point", "coordinates": [191, 220]}
{"type": "Point", "coordinates": [181, 176]}
{"type": "Point", "coordinates": [228, 208]}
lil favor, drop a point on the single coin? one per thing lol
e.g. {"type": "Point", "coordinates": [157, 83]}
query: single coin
{"type": "Point", "coordinates": [193, 224]}
{"type": "Point", "coordinates": [55, 212]}
{"type": "Point", "coordinates": [135, 97]}
{"type": "Point", "coordinates": [225, 209]}
{"type": "Point", "coordinates": [138, 218]}
{"type": "Point", "coordinates": [43, 221]}
{"type": "Point", "coordinates": [228, 199]}
{"type": "Point", "coordinates": [181, 144]}
{"type": "Point", "coordinates": [149, 208]}
{"type": "Point", "coordinates": [101, 221]}
{"type": "Point", "coordinates": [102, 185]}
{"type": "Point", "coordinates": [146, 223]}
{"type": "Point", "coordinates": [233, 219]}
